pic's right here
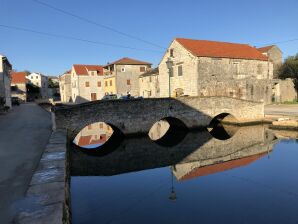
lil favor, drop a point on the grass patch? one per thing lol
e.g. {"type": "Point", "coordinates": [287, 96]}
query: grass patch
{"type": "Point", "coordinates": [290, 102]}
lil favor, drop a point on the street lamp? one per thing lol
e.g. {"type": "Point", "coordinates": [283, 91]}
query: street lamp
{"type": "Point", "coordinates": [173, 196]}
{"type": "Point", "coordinates": [169, 63]}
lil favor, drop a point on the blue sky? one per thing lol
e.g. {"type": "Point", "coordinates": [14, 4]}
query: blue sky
{"type": "Point", "coordinates": [253, 22]}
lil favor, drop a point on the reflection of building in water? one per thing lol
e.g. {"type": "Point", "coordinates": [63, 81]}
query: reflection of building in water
{"type": "Point", "coordinates": [193, 170]}
{"type": "Point", "coordinates": [94, 134]}
{"type": "Point", "coordinates": [159, 129]}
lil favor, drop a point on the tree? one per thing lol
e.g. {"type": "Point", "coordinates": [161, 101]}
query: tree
{"type": "Point", "coordinates": [53, 84]}
{"type": "Point", "coordinates": [289, 69]}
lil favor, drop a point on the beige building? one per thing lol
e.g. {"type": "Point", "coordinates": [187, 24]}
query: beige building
{"type": "Point", "coordinates": [86, 83]}
{"type": "Point", "coordinates": [125, 75]}
{"type": "Point", "coordinates": [149, 84]}
{"type": "Point", "coordinates": [5, 93]}
{"type": "Point", "coordinates": [18, 85]}
{"type": "Point", "coordinates": [65, 87]}
{"type": "Point", "coordinates": [40, 81]}
{"type": "Point", "coordinates": [196, 65]}
{"type": "Point", "coordinates": [274, 55]}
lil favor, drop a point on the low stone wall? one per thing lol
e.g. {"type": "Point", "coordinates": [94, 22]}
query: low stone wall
{"type": "Point", "coordinates": [47, 199]}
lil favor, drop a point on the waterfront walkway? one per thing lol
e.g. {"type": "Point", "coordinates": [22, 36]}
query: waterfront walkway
{"type": "Point", "coordinates": [24, 133]}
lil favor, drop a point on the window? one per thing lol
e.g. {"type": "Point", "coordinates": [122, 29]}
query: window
{"type": "Point", "coordinates": [98, 73]}
{"type": "Point", "coordinates": [122, 69]}
{"type": "Point", "coordinates": [149, 93]}
{"type": "Point", "coordinates": [106, 83]}
{"type": "Point", "coordinates": [111, 82]}
{"type": "Point", "coordinates": [171, 72]}
{"type": "Point", "coordinates": [99, 84]}
{"type": "Point", "coordinates": [100, 125]}
{"type": "Point", "coordinates": [128, 81]}
{"type": "Point", "coordinates": [150, 79]}
{"type": "Point", "coordinates": [87, 84]}
{"type": "Point", "coordinates": [172, 52]}
{"type": "Point", "coordinates": [180, 70]}
{"type": "Point", "coordinates": [36, 77]}
{"type": "Point", "coordinates": [142, 69]}
{"type": "Point", "coordinates": [260, 69]}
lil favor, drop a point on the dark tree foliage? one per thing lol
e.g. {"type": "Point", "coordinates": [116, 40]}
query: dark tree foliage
{"type": "Point", "coordinates": [53, 84]}
{"type": "Point", "coordinates": [289, 69]}
{"type": "Point", "coordinates": [32, 88]}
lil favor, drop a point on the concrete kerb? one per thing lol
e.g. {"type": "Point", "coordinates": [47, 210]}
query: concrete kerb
{"type": "Point", "coordinates": [48, 193]}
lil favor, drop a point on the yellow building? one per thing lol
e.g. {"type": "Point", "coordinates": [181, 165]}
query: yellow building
{"type": "Point", "coordinates": [110, 84]}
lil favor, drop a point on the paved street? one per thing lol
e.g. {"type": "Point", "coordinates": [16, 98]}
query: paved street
{"type": "Point", "coordinates": [282, 109]}
{"type": "Point", "coordinates": [24, 132]}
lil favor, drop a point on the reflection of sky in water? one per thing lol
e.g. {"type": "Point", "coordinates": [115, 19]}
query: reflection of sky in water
{"type": "Point", "coordinates": [92, 146]}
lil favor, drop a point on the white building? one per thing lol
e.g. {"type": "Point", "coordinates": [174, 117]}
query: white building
{"type": "Point", "coordinates": [40, 81]}
{"type": "Point", "coordinates": [5, 92]}
{"type": "Point", "coordinates": [87, 83]}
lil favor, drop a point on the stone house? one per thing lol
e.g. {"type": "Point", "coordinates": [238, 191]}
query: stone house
{"type": "Point", "coordinates": [65, 87]}
{"type": "Point", "coordinates": [283, 90]}
{"type": "Point", "coordinates": [211, 68]}
{"type": "Point", "coordinates": [124, 74]}
{"type": "Point", "coordinates": [18, 85]}
{"type": "Point", "coordinates": [87, 83]}
{"type": "Point", "coordinates": [149, 84]}
{"type": "Point", "coordinates": [40, 81]}
{"type": "Point", "coordinates": [5, 92]}
{"type": "Point", "coordinates": [274, 55]}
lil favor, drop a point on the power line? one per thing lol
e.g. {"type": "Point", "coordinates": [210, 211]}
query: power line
{"type": "Point", "coordinates": [75, 38]}
{"type": "Point", "coordinates": [279, 42]}
{"type": "Point", "coordinates": [96, 23]}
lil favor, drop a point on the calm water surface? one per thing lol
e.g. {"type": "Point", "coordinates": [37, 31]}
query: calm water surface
{"type": "Point", "coordinates": [249, 178]}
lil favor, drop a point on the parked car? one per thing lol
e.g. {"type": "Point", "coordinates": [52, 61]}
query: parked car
{"type": "Point", "coordinates": [110, 97]}
{"type": "Point", "coordinates": [128, 97]}
{"type": "Point", "coordinates": [15, 101]}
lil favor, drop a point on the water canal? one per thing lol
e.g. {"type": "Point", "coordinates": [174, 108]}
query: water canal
{"type": "Point", "coordinates": [224, 175]}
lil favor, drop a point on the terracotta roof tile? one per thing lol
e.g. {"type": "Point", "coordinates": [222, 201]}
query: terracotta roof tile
{"type": "Point", "coordinates": [83, 69]}
{"type": "Point", "coordinates": [18, 77]}
{"type": "Point", "coordinates": [128, 61]}
{"type": "Point", "coordinates": [265, 49]}
{"type": "Point", "coordinates": [206, 48]}
{"type": "Point", "coordinates": [216, 168]}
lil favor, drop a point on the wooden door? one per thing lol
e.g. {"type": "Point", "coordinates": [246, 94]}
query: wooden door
{"type": "Point", "coordinates": [93, 96]}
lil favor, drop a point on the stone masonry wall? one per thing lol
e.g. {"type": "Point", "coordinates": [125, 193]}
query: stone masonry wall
{"type": "Point", "coordinates": [138, 116]}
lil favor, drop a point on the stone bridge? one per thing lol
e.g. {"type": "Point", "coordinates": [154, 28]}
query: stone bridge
{"type": "Point", "coordinates": [137, 116]}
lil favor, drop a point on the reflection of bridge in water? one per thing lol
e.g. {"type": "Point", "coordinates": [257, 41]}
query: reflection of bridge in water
{"type": "Point", "coordinates": [196, 151]}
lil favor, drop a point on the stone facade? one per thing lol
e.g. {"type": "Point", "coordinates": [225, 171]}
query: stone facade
{"type": "Point", "coordinates": [275, 56]}
{"type": "Point", "coordinates": [149, 84]}
{"type": "Point", "coordinates": [284, 90]}
{"type": "Point", "coordinates": [126, 72]}
{"type": "Point", "coordinates": [190, 73]}
{"type": "Point", "coordinates": [65, 87]}
{"type": "Point", "coordinates": [5, 92]}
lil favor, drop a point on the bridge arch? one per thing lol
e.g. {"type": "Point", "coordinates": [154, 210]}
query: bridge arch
{"type": "Point", "coordinates": [97, 138]}
{"type": "Point", "coordinates": [220, 126]}
{"type": "Point", "coordinates": [168, 131]}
